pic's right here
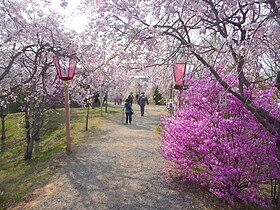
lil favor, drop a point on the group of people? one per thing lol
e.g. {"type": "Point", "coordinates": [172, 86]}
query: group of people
{"type": "Point", "coordinates": [142, 101]}
{"type": "Point", "coordinates": [118, 100]}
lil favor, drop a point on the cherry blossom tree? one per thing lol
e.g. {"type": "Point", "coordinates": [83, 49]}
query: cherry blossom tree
{"type": "Point", "coordinates": [137, 37]}
{"type": "Point", "coordinates": [29, 38]}
{"type": "Point", "coordinates": [241, 36]}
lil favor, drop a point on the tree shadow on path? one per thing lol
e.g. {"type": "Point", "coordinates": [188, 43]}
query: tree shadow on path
{"type": "Point", "coordinates": [120, 168]}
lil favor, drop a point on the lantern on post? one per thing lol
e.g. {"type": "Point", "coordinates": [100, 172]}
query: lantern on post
{"type": "Point", "coordinates": [66, 68]}
{"type": "Point", "coordinates": [179, 72]}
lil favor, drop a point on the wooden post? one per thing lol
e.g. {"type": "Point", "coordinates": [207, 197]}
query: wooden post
{"type": "Point", "coordinates": [180, 97]}
{"type": "Point", "coordinates": [106, 105]}
{"type": "Point", "coordinates": [67, 113]}
{"type": "Point", "coordinates": [171, 100]}
{"type": "Point", "coordinates": [3, 134]}
{"type": "Point", "coordinates": [87, 117]}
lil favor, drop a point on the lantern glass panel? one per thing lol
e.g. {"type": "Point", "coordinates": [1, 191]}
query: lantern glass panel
{"type": "Point", "coordinates": [179, 74]}
{"type": "Point", "coordinates": [66, 67]}
{"type": "Point", "coordinates": [57, 66]}
{"type": "Point", "coordinates": [72, 66]}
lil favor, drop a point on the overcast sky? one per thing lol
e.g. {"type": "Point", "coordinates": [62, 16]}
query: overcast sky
{"type": "Point", "coordinates": [75, 21]}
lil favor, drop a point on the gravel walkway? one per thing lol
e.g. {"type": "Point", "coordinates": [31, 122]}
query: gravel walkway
{"type": "Point", "coordinates": [119, 169]}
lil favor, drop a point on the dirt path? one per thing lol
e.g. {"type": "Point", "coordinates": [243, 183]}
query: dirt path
{"type": "Point", "coordinates": [121, 169]}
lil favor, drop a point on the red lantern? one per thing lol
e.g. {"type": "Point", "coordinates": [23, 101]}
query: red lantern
{"type": "Point", "coordinates": [179, 71]}
{"type": "Point", "coordinates": [66, 67]}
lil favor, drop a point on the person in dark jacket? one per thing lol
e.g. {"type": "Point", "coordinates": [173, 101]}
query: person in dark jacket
{"type": "Point", "coordinates": [142, 102]}
{"type": "Point", "coordinates": [128, 111]}
{"type": "Point", "coordinates": [130, 98]}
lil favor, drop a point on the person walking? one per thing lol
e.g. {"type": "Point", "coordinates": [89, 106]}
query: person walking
{"type": "Point", "coordinates": [104, 100]}
{"type": "Point", "coordinates": [142, 102]}
{"type": "Point", "coordinates": [115, 100]}
{"type": "Point", "coordinates": [130, 98]}
{"type": "Point", "coordinates": [128, 111]}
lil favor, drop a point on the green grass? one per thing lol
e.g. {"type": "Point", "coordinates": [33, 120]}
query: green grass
{"type": "Point", "coordinates": [19, 177]}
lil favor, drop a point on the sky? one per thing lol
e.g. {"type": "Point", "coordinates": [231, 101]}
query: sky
{"type": "Point", "coordinates": [74, 21]}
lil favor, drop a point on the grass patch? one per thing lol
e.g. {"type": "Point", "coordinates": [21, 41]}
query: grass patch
{"type": "Point", "coordinates": [19, 177]}
{"type": "Point", "coordinates": [159, 128]}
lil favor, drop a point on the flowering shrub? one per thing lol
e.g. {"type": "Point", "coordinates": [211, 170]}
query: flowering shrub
{"type": "Point", "coordinates": [222, 147]}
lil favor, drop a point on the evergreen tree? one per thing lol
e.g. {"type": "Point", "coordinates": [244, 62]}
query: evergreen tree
{"type": "Point", "coordinates": [157, 96]}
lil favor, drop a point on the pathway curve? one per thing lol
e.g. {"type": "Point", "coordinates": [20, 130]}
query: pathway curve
{"type": "Point", "coordinates": [119, 169]}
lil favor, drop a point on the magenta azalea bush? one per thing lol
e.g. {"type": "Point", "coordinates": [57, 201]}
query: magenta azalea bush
{"type": "Point", "coordinates": [222, 146]}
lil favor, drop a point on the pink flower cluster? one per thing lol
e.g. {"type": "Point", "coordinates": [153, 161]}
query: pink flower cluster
{"type": "Point", "coordinates": [222, 147]}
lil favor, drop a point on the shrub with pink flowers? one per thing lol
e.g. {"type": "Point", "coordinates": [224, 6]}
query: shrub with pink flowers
{"type": "Point", "coordinates": [221, 145]}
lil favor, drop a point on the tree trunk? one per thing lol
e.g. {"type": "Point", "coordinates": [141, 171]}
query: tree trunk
{"type": "Point", "coordinates": [170, 103]}
{"type": "Point", "coordinates": [29, 142]}
{"type": "Point", "coordinates": [3, 133]}
{"type": "Point", "coordinates": [101, 109]}
{"type": "Point", "coordinates": [87, 117]}
{"type": "Point", "coordinates": [106, 105]}
{"type": "Point", "coordinates": [3, 136]}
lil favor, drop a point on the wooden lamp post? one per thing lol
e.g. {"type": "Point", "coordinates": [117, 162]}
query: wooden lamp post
{"type": "Point", "coordinates": [66, 68]}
